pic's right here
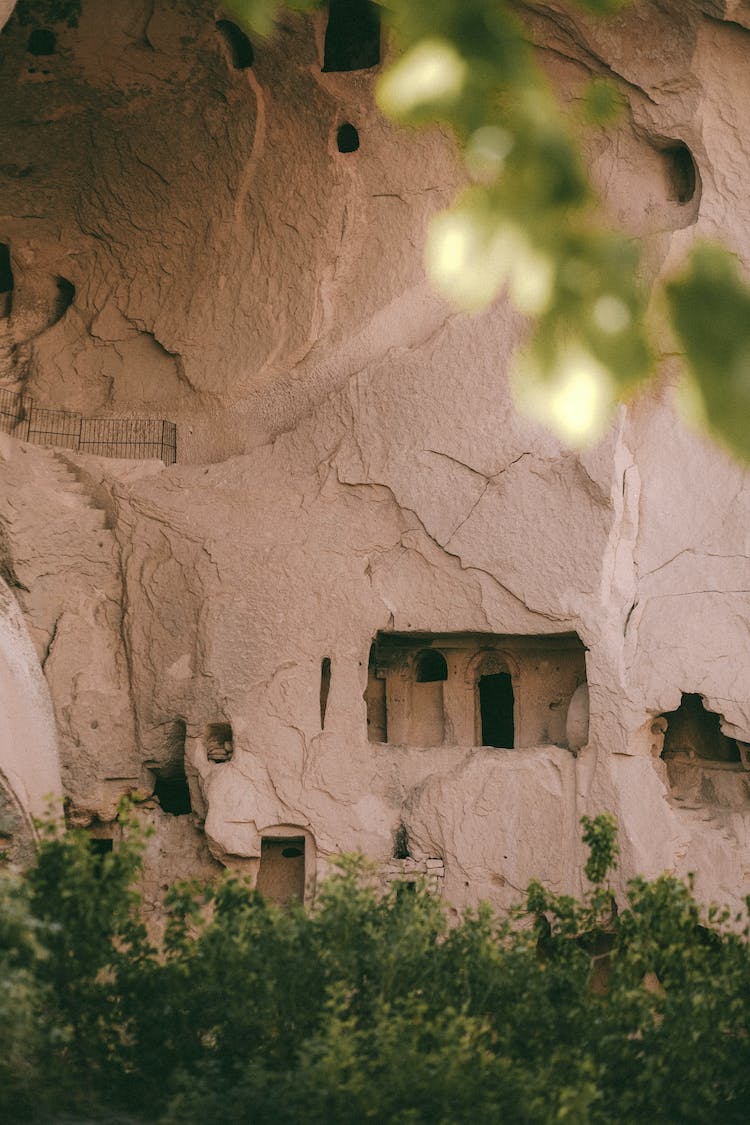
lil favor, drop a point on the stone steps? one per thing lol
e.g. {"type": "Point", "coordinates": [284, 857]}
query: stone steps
{"type": "Point", "coordinates": [74, 495]}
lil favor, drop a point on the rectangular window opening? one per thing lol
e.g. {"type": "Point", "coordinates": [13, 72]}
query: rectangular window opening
{"type": "Point", "coordinates": [496, 710]}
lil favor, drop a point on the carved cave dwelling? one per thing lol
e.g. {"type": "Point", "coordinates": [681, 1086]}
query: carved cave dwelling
{"type": "Point", "coordinates": [371, 606]}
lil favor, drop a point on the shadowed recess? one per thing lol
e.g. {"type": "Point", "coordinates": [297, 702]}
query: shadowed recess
{"type": "Point", "coordinates": [171, 787]}
{"type": "Point", "coordinates": [219, 742]}
{"type": "Point", "coordinates": [325, 687]}
{"type": "Point", "coordinates": [347, 138]}
{"type": "Point", "coordinates": [240, 47]}
{"type": "Point", "coordinates": [694, 732]}
{"type": "Point", "coordinates": [352, 35]}
{"type": "Point", "coordinates": [66, 292]}
{"type": "Point", "coordinates": [682, 176]}
{"type": "Point", "coordinates": [41, 42]}
{"type": "Point", "coordinates": [496, 709]}
{"type": "Point", "coordinates": [431, 666]}
{"type": "Point", "coordinates": [173, 793]}
{"type": "Point", "coordinates": [6, 273]}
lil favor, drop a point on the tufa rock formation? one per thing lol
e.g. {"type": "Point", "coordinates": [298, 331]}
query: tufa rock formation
{"type": "Point", "coordinates": [371, 607]}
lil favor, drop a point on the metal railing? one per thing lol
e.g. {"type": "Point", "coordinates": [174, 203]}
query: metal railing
{"type": "Point", "coordinates": [15, 411]}
{"type": "Point", "coordinates": [138, 438]}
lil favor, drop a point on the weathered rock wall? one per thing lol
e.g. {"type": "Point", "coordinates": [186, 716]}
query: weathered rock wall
{"type": "Point", "coordinates": [230, 317]}
{"type": "Point", "coordinates": [233, 270]}
{"type": "Point", "coordinates": [30, 781]}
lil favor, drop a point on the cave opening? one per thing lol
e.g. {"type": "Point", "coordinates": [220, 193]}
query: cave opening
{"type": "Point", "coordinates": [41, 42]}
{"type": "Point", "coordinates": [240, 48]}
{"type": "Point", "coordinates": [173, 792]}
{"type": "Point", "coordinates": [693, 732]}
{"type": "Point", "coordinates": [171, 787]}
{"type": "Point", "coordinates": [682, 176]}
{"type": "Point", "coordinates": [347, 138]}
{"type": "Point", "coordinates": [352, 40]}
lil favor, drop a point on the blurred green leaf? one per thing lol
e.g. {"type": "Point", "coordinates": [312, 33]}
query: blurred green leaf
{"type": "Point", "coordinates": [602, 102]}
{"type": "Point", "coordinates": [710, 308]}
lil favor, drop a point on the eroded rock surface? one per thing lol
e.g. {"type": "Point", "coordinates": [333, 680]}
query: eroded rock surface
{"type": "Point", "coordinates": [352, 463]}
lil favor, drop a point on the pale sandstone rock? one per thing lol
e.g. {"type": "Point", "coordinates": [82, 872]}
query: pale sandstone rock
{"type": "Point", "coordinates": [30, 783]}
{"type": "Point", "coordinates": [234, 271]}
{"type": "Point", "coordinates": [64, 565]}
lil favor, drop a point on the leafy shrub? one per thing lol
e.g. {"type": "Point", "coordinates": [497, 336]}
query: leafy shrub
{"type": "Point", "coordinates": [370, 1007]}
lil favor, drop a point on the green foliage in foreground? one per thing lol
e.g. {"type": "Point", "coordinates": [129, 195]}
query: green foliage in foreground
{"type": "Point", "coordinates": [368, 1008]}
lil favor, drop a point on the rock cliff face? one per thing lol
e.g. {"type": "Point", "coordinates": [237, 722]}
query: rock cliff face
{"type": "Point", "coordinates": [246, 633]}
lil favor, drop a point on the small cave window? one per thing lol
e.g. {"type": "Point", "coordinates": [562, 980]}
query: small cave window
{"type": "Point", "coordinates": [41, 42]}
{"type": "Point", "coordinates": [66, 292]}
{"type": "Point", "coordinates": [240, 48]}
{"type": "Point", "coordinates": [375, 700]}
{"type": "Point", "coordinates": [496, 704]}
{"type": "Point", "coordinates": [695, 733]}
{"type": "Point", "coordinates": [682, 176]}
{"type": "Point", "coordinates": [219, 742]}
{"type": "Point", "coordinates": [6, 273]}
{"type": "Point", "coordinates": [401, 842]}
{"type": "Point", "coordinates": [281, 874]}
{"type": "Point", "coordinates": [325, 687]}
{"type": "Point", "coordinates": [431, 667]}
{"type": "Point", "coordinates": [352, 39]}
{"type": "Point", "coordinates": [171, 787]}
{"type": "Point", "coordinates": [172, 791]}
{"type": "Point", "coordinates": [347, 138]}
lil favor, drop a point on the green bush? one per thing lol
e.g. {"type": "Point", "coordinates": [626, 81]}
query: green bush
{"type": "Point", "coordinates": [368, 1008]}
